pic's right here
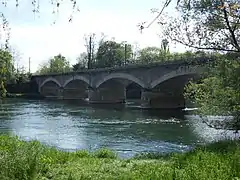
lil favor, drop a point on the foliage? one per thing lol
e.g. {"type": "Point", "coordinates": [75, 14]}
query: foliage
{"type": "Point", "coordinates": [105, 153]}
{"type": "Point", "coordinates": [8, 73]}
{"type": "Point", "coordinates": [87, 60]}
{"type": "Point", "coordinates": [82, 62]}
{"type": "Point", "coordinates": [111, 54]}
{"type": "Point", "coordinates": [31, 160]}
{"type": "Point", "coordinates": [23, 77]}
{"type": "Point", "coordinates": [6, 68]}
{"type": "Point", "coordinates": [5, 31]}
{"type": "Point", "coordinates": [204, 24]}
{"type": "Point", "coordinates": [212, 25]}
{"type": "Point", "coordinates": [19, 76]}
{"type": "Point", "coordinates": [90, 44]}
{"type": "Point", "coordinates": [115, 58]}
{"type": "Point", "coordinates": [151, 54]}
{"type": "Point", "coordinates": [219, 92]}
{"type": "Point", "coordinates": [165, 46]}
{"type": "Point", "coordinates": [155, 54]}
{"type": "Point", "coordinates": [58, 64]}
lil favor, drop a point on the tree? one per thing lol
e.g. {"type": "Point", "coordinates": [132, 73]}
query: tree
{"type": "Point", "coordinates": [90, 43]}
{"type": "Point", "coordinates": [165, 47]}
{"type": "Point", "coordinates": [5, 70]}
{"type": "Point", "coordinates": [21, 76]}
{"type": "Point", "coordinates": [215, 26]}
{"type": "Point", "coordinates": [8, 73]}
{"type": "Point", "coordinates": [149, 55]}
{"type": "Point", "coordinates": [136, 51]}
{"type": "Point", "coordinates": [155, 54]}
{"type": "Point", "coordinates": [88, 59]}
{"type": "Point", "coordinates": [207, 25]}
{"type": "Point", "coordinates": [58, 64]}
{"type": "Point", "coordinates": [219, 92]}
{"type": "Point", "coordinates": [111, 54]}
{"type": "Point", "coordinates": [82, 62]}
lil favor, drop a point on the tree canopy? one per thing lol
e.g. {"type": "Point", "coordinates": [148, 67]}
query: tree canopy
{"type": "Point", "coordinates": [219, 92]}
{"type": "Point", "coordinates": [212, 25]}
{"type": "Point", "coordinates": [82, 62]}
{"type": "Point", "coordinates": [6, 68]}
{"type": "Point", "coordinates": [111, 53]}
{"type": "Point", "coordinates": [154, 54]}
{"type": "Point", "coordinates": [57, 64]}
{"type": "Point", "coordinates": [206, 25]}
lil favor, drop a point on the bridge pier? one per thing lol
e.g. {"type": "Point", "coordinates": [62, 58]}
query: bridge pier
{"type": "Point", "coordinates": [160, 100]}
{"type": "Point", "coordinates": [107, 95]}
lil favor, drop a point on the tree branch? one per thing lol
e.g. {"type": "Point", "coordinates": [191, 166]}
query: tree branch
{"type": "Point", "coordinates": [205, 48]}
{"type": "Point", "coordinates": [229, 27]}
{"type": "Point", "coordinates": [167, 2]}
{"type": "Point", "coordinates": [236, 23]}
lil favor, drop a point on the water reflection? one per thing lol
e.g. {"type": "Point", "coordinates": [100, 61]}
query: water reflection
{"type": "Point", "coordinates": [71, 126]}
{"type": "Point", "coordinates": [207, 134]}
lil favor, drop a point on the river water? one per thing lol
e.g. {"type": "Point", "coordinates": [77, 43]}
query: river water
{"type": "Point", "coordinates": [126, 130]}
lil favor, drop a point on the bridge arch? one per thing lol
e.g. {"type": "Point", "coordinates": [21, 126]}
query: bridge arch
{"type": "Point", "coordinates": [172, 74]}
{"type": "Point", "coordinates": [121, 76]}
{"type": "Point", "coordinates": [48, 80]}
{"type": "Point", "coordinates": [81, 78]}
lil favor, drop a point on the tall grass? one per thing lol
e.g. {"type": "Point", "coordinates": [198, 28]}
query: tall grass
{"type": "Point", "coordinates": [31, 160]}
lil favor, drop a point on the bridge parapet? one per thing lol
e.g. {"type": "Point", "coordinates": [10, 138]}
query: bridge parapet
{"type": "Point", "coordinates": [180, 61]}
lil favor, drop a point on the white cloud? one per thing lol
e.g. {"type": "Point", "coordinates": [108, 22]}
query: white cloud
{"type": "Point", "coordinates": [40, 41]}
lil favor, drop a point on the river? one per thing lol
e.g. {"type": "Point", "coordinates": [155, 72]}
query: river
{"type": "Point", "coordinates": [126, 130]}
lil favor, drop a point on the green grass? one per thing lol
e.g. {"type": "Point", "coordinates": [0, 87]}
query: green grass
{"type": "Point", "coordinates": [31, 160]}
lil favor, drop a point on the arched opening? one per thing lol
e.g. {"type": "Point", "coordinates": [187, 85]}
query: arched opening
{"type": "Point", "coordinates": [169, 93]}
{"type": "Point", "coordinates": [112, 89]}
{"type": "Point", "coordinates": [174, 85]}
{"type": "Point", "coordinates": [75, 89]}
{"type": "Point", "coordinates": [133, 91]}
{"type": "Point", "coordinates": [50, 89]}
{"type": "Point", "coordinates": [121, 77]}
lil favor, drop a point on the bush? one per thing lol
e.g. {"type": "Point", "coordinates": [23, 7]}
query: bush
{"type": "Point", "coordinates": [31, 160]}
{"type": "Point", "coordinates": [105, 153]}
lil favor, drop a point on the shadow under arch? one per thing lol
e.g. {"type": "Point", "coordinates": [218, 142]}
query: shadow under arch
{"type": "Point", "coordinates": [133, 91]}
{"type": "Point", "coordinates": [80, 78]}
{"type": "Point", "coordinates": [76, 88]}
{"type": "Point", "coordinates": [121, 76]}
{"type": "Point", "coordinates": [50, 88]}
{"type": "Point", "coordinates": [171, 75]}
{"type": "Point", "coordinates": [49, 80]}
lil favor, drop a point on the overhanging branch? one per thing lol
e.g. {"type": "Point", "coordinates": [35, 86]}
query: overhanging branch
{"type": "Point", "coordinates": [229, 27]}
{"type": "Point", "coordinates": [205, 48]}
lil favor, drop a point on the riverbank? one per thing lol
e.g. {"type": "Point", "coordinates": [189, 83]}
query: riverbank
{"type": "Point", "coordinates": [31, 160]}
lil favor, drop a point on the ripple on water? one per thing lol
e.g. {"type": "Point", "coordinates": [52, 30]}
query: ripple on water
{"type": "Point", "coordinates": [71, 127]}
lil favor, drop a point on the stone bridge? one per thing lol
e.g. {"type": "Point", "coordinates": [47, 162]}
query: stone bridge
{"type": "Point", "coordinates": [161, 84]}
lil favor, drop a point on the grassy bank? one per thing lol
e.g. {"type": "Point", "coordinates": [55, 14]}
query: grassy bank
{"type": "Point", "coordinates": [31, 160]}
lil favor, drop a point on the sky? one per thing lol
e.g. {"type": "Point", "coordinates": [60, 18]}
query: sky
{"type": "Point", "coordinates": [38, 37]}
